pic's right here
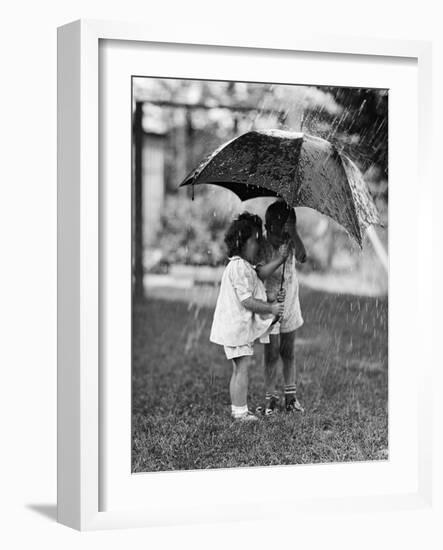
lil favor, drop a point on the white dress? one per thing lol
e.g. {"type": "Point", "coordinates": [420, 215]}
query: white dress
{"type": "Point", "coordinates": [233, 324]}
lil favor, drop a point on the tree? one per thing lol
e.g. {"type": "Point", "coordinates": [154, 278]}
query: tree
{"type": "Point", "coordinates": [360, 128]}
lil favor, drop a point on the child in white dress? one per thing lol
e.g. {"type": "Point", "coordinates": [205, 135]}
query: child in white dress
{"type": "Point", "coordinates": [242, 313]}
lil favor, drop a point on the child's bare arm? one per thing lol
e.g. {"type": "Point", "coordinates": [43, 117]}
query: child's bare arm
{"type": "Point", "coordinates": [266, 270]}
{"type": "Point", "coordinates": [259, 306]}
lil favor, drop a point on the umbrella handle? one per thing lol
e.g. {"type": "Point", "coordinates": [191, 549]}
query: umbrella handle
{"type": "Point", "coordinates": [283, 275]}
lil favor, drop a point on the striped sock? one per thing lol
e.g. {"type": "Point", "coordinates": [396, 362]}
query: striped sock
{"type": "Point", "coordinates": [290, 391]}
{"type": "Point", "coordinates": [271, 400]}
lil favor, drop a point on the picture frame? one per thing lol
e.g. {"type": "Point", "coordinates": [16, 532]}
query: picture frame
{"type": "Point", "coordinates": [81, 391]}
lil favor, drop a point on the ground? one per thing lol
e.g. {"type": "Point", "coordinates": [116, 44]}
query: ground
{"type": "Point", "coordinates": [180, 397]}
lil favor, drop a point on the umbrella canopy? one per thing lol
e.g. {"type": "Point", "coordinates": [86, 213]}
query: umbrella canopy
{"type": "Point", "coordinates": [303, 170]}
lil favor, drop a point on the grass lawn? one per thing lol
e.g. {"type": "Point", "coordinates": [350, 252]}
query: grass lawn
{"type": "Point", "coordinates": [180, 397]}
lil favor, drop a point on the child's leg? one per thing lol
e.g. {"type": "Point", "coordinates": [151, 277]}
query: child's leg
{"type": "Point", "coordinates": [271, 356]}
{"type": "Point", "coordinates": [287, 352]}
{"type": "Point", "coordinates": [238, 386]}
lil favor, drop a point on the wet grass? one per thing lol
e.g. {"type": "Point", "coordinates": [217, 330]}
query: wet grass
{"type": "Point", "coordinates": [181, 417]}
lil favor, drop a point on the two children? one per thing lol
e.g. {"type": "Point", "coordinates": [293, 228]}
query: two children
{"type": "Point", "coordinates": [247, 311]}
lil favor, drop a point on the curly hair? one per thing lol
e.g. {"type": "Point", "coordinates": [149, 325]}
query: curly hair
{"type": "Point", "coordinates": [240, 230]}
{"type": "Point", "coordinates": [253, 218]}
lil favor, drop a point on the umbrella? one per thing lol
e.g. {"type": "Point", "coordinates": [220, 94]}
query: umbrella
{"type": "Point", "coordinates": [303, 170]}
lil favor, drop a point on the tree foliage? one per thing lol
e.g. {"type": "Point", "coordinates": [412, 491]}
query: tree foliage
{"type": "Point", "coordinates": [360, 127]}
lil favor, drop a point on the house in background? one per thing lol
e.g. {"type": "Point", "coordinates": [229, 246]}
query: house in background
{"type": "Point", "coordinates": [153, 184]}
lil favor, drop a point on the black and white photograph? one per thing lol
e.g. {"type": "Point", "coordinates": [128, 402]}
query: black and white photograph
{"type": "Point", "coordinates": [223, 270]}
{"type": "Point", "coordinates": [259, 274]}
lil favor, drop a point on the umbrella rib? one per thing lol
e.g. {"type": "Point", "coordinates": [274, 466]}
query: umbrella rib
{"type": "Point", "coordinates": [355, 218]}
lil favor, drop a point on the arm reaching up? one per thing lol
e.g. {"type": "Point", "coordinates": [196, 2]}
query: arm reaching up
{"type": "Point", "coordinates": [266, 270]}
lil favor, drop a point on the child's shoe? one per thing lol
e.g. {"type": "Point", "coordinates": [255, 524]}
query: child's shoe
{"type": "Point", "coordinates": [248, 416]}
{"type": "Point", "coordinates": [293, 405]}
{"type": "Point", "coordinates": [270, 407]}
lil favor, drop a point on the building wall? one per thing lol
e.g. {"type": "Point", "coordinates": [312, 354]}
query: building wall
{"type": "Point", "coordinates": [153, 187]}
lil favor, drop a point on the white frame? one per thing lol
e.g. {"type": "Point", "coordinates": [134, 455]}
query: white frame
{"type": "Point", "coordinates": [78, 257]}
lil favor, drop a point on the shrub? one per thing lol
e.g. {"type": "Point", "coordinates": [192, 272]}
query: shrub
{"type": "Point", "coordinates": [192, 231]}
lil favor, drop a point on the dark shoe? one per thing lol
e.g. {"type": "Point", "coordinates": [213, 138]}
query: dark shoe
{"type": "Point", "coordinates": [270, 407]}
{"type": "Point", "coordinates": [293, 405]}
